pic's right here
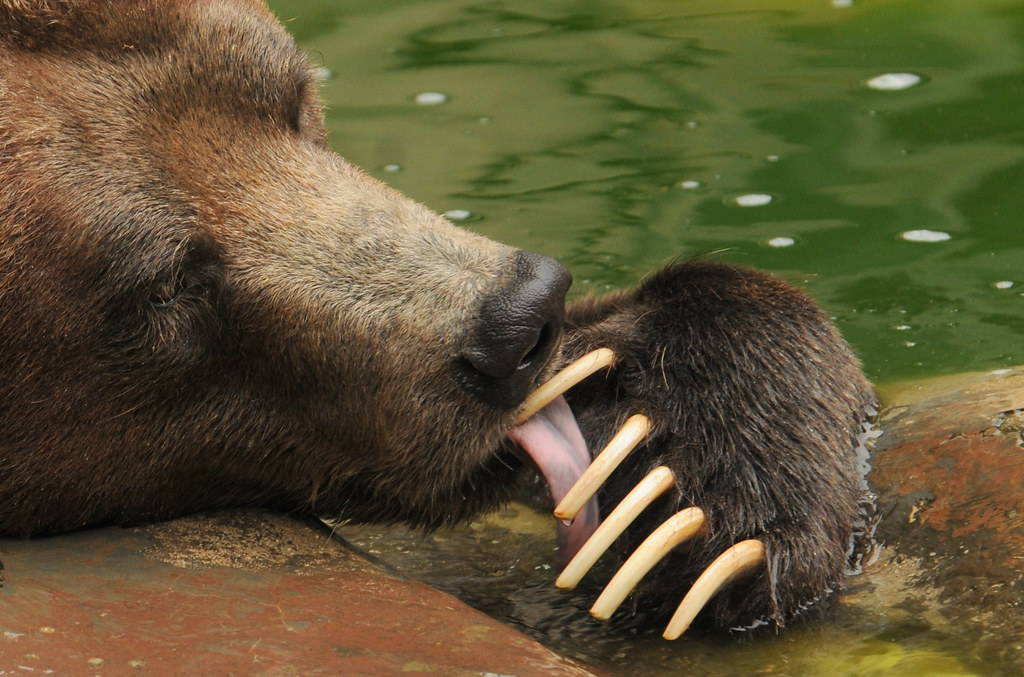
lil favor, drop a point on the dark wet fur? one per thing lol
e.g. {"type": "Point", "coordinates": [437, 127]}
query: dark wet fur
{"type": "Point", "coordinates": [756, 403]}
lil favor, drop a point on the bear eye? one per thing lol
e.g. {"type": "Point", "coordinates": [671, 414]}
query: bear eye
{"type": "Point", "coordinates": [167, 293]}
{"type": "Point", "coordinates": [193, 275]}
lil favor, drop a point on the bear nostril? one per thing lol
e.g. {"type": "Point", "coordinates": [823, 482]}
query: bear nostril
{"type": "Point", "coordinates": [498, 358]}
{"type": "Point", "coordinates": [541, 348]}
{"type": "Point", "coordinates": [519, 328]}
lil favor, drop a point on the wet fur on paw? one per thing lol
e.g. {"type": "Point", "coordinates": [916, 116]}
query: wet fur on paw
{"type": "Point", "coordinates": [756, 403]}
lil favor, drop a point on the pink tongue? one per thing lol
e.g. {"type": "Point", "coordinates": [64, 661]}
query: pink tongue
{"type": "Point", "coordinates": [554, 442]}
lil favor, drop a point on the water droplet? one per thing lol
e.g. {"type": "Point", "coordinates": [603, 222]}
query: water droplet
{"type": "Point", "coordinates": [752, 199]}
{"type": "Point", "coordinates": [842, 3]}
{"type": "Point", "coordinates": [431, 98]}
{"type": "Point", "coordinates": [323, 73]}
{"type": "Point", "coordinates": [925, 236]}
{"type": "Point", "coordinates": [393, 168]}
{"type": "Point", "coordinates": [891, 82]}
{"type": "Point", "coordinates": [1003, 284]}
{"type": "Point", "coordinates": [459, 214]}
{"type": "Point", "coordinates": [781, 242]}
{"type": "Point", "coordinates": [689, 185]}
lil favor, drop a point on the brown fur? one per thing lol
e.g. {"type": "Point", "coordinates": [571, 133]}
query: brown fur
{"type": "Point", "coordinates": [202, 306]}
{"type": "Point", "coordinates": [756, 403]}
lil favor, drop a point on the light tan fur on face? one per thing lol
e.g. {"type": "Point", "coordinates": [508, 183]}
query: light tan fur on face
{"type": "Point", "coordinates": [137, 138]}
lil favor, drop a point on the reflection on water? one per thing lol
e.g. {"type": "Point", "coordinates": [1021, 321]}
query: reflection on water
{"type": "Point", "coordinates": [615, 135]}
{"type": "Point", "coordinates": [870, 151]}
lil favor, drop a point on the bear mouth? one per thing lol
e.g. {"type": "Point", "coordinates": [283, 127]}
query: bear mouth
{"type": "Point", "coordinates": [546, 430]}
{"type": "Point", "coordinates": [553, 441]}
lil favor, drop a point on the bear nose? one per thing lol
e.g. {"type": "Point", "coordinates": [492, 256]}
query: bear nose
{"type": "Point", "coordinates": [520, 327]}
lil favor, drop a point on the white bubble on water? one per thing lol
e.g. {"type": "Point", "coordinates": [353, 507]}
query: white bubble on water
{"type": "Point", "coordinates": [393, 168]}
{"type": "Point", "coordinates": [459, 214]}
{"type": "Point", "coordinates": [752, 199]}
{"type": "Point", "coordinates": [431, 98]}
{"type": "Point", "coordinates": [689, 185]}
{"type": "Point", "coordinates": [892, 82]}
{"type": "Point", "coordinates": [1003, 284]}
{"type": "Point", "coordinates": [323, 73]}
{"type": "Point", "coordinates": [842, 3]}
{"type": "Point", "coordinates": [925, 236]}
{"type": "Point", "coordinates": [781, 242]}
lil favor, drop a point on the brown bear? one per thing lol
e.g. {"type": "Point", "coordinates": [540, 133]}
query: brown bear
{"type": "Point", "coordinates": [202, 306]}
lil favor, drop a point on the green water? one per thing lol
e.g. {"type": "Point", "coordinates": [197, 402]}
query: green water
{"type": "Point", "coordinates": [570, 128]}
{"type": "Point", "coordinates": [616, 135]}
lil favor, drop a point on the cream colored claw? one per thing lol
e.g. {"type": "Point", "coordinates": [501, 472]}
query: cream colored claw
{"type": "Point", "coordinates": [630, 434]}
{"type": "Point", "coordinates": [679, 527]}
{"type": "Point", "coordinates": [565, 379]}
{"type": "Point", "coordinates": [684, 525]}
{"type": "Point", "coordinates": [643, 494]}
{"type": "Point", "coordinates": [734, 562]}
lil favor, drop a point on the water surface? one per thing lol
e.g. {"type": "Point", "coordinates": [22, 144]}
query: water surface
{"type": "Point", "coordinates": [616, 135]}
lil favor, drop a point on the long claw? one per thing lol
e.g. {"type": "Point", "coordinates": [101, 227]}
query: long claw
{"type": "Point", "coordinates": [565, 379]}
{"type": "Point", "coordinates": [630, 434]}
{"type": "Point", "coordinates": [676, 529]}
{"type": "Point", "coordinates": [643, 494]}
{"type": "Point", "coordinates": [735, 561]}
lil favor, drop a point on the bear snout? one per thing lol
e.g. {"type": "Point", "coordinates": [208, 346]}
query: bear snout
{"type": "Point", "coordinates": [520, 326]}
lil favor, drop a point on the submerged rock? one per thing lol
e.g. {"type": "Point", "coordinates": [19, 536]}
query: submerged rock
{"type": "Point", "coordinates": [949, 473]}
